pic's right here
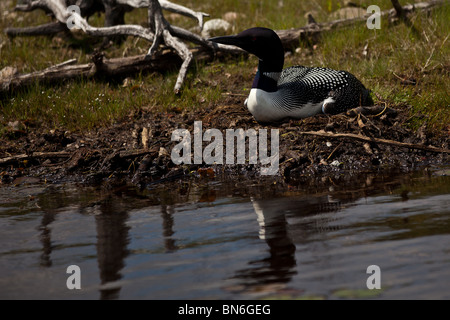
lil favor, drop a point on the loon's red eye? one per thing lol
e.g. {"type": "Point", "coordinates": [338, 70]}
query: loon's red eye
{"type": "Point", "coordinates": [253, 38]}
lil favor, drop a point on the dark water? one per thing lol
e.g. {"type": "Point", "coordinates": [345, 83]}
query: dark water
{"type": "Point", "coordinates": [230, 239]}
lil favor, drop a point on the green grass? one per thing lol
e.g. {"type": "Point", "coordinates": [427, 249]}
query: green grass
{"type": "Point", "coordinates": [394, 53]}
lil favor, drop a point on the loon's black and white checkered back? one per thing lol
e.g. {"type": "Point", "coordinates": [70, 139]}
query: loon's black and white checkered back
{"type": "Point", "coordinates": [301, 85]}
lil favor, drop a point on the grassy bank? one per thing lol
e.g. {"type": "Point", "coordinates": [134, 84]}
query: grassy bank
{"type": "Point", "coordinates": [403, 69]}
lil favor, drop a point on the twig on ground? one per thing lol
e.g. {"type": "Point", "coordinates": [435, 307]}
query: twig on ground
{"type": "Point", "coordinates": [375, 140]}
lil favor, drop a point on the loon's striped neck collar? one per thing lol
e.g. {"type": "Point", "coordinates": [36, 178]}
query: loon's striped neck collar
{"type": "Point", "coordinates": [267, 76]}
{"type": "Point", "coordinates": [267, 81]}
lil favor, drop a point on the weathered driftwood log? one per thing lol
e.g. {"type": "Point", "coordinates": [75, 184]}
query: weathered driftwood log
{"type": "Point", "coordinates": [169, 6]}
{"type": "Point", "coordinates": [114, 13]}
{"type": "Point", "coordinates": [44, 29]}
{"type": "Point", "coordinates": [160, 30]}
{"type": "Point", "coordinates": [108, 68]}
{"type": "Point", "coordinates": [290, 37]}
{"type": "Point", "coordinates": [164, 33]}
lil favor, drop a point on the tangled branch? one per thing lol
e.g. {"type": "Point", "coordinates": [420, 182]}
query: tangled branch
{"type": "Point", "coordinates": [159, 32]}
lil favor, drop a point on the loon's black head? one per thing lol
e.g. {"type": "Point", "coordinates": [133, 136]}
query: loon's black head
{"type": "Point", "coordinates": [262, 42]}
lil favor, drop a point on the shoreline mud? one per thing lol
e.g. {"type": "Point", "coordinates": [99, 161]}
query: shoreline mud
{"type": "Point", "coordinates": [137, 150]}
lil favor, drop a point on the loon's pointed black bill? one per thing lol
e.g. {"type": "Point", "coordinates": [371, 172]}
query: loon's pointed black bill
{"type": "Point", "coordinates": [229, 40]}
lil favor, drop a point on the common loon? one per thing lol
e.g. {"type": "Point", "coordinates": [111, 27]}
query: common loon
{"type": "Point", "coordinates": [295, 92]}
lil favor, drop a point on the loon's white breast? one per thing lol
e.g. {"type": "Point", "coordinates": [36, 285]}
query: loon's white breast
{"type": "Point", "coordinates": [270, 106]}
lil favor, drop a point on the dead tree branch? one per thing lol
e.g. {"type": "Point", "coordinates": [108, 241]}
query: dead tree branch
{"type": "Point", "coordinates": [398, 8]}
{"type": "Point", "coordinates": [34, 155]}
{"type": "Point", "coordinates": [44, 29]}
{"type": "Point", "coordinates": [160, 30]}
{"type": "Point", "coordinates": [402, 15]}
{"type": "Point", "coordinates": [169, 6]}
{"type": "Point", "coordinates": [160, 27]}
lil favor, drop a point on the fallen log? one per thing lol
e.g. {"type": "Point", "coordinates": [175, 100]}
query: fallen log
{"type": "Point", "coordinates": [101, 67]}
{"type": "Point", "coordinates": [44, 29]}
{"type": "Point", "coordinates": [291, 37]}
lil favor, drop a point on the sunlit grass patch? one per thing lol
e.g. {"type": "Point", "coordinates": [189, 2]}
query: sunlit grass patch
{"type": "Point", "coordinates": [400, 66]}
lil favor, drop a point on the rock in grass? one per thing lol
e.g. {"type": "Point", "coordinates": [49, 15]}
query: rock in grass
{"type": "Point", "coordinates": [7, 72]}
{"type": "Point", "coordinates": [215, 27]}
{"type": "Point", "coordinates": [348, 13]}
